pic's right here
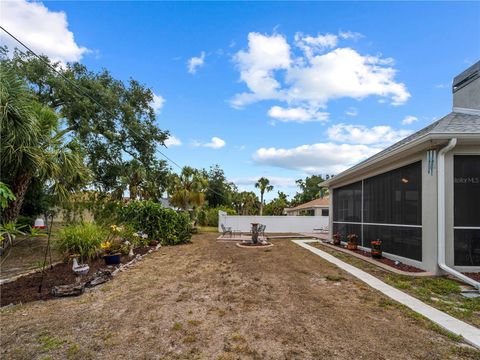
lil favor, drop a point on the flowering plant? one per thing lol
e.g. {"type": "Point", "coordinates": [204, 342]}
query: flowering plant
{"type": "Point", "coordinates": [352, 238]}
{"type": "Point", "coordinates": [376, 242]}
{"type": "Point", "coordinates": [113, 242]}
{"type": "Point", "coordinates": [337, 238]}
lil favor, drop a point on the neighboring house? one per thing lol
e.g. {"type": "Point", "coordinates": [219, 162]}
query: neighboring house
{"type": "Point", "coordinates": [317, 207]}
{"type": "Point", "coordinates": [421, 196]}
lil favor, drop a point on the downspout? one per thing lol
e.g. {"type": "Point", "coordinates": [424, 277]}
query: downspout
{"type": "Point", "coordinates": [441, 216]}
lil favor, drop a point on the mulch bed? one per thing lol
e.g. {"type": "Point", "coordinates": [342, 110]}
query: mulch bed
{"type": "Point", "coordinates": [473, 275]}
{"type": "Point", "coordinates": [389, 262]}
{"type": "Point", "coordinates": [25, 289]}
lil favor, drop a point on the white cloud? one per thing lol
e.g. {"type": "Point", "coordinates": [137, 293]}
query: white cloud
{"type": "Point", "coordinates": [45, 31]}
{"type": "Point", "coordinates": [312, 45]}
{"type": "Point", "coordinates": [157, 103]}
{"type": "Point", "coordinates": [409, 120]}
{"type": "Point", "coordinates": [196, 62]}
{"type": "Point", "coordinates": [347, 146]}
{"type": "Point", "coordinates": [341, 73]}
{"type": "Point", "coordinates": [296, 114]}
{"type": "Point", "coordinates": [265, 54]}
{"type": "Point", "coordinates": [173, 141]}
{"type": "Point", "coordinates": [350, 35]}
{"type": "Point", "coordinates": [351, 111]}
{"type": "Point", "coordinates": [316, 158]}
{"type": "Point", "coordinates": [215, 143]}
{"type": "Point", "coordinates": [359, 134]}
{"type": "Point", "coordinates": [273, 70]}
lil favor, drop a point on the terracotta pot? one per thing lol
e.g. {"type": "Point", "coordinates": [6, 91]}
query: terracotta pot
{"type": "Point", "coordinates": [352, 246]}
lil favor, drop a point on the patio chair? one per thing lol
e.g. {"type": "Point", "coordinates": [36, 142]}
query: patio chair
{"type": "Point", "coordinates": [261, 230]}
{"type": "Point", "coordinates": [226, 230]}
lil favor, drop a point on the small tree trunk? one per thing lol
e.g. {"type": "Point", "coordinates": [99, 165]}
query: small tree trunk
{"type": "Point", "coordinates": [19, 188]}
{"type": "Point", "coordinates": [261, 204]}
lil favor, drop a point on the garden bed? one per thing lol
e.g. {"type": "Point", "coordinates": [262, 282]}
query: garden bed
{"type": "Point", "coordinates": [25, 288]}
{"type": "Point", "coordinates": [473, 275]}
{"type": "Point", "coordinates": [383, 260]}
{"type": "Point", "coordinates": [397, 265]}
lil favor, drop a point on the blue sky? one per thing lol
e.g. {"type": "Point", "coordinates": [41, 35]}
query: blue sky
{"type": "Point", "coordinates": [282, 90]}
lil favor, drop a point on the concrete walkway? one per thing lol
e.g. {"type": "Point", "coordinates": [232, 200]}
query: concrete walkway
{"type": "Point", "coordinates": [469, 333]}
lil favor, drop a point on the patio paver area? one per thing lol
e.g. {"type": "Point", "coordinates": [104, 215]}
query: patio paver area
{"type": "Point", "coordinates": [213, 300]}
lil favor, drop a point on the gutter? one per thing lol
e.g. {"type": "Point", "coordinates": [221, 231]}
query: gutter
{"type": "Point", "coordinates": [441, 216]}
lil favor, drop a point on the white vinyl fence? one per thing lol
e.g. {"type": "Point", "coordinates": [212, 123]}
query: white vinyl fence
{"type": "Point", "coordinates": [275, 224]}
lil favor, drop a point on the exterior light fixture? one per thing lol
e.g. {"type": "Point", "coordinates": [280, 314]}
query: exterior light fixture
{"type": "Point", "coordinates": [404, 180]}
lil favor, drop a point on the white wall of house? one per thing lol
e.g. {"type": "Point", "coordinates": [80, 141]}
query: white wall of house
{"type": "Point", "coordinates": [275, 224]}
{"type": "Point", "coordinates": [317, 210]}
{"type": "Point", "coordinates": [429, 207]}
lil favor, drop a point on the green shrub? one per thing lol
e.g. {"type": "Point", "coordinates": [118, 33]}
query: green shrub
{"type": "Point", "coordinates": [209, 217]}
{"type": "Point", "coordinates": [25, 220]}
{"type": "Point", "coordinates": [83, 239]}
{"type": "Point", "coordinates": [164, 225]}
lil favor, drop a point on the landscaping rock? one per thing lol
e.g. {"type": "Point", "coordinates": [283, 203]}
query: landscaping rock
{"type": "Point", "coordinates": [101, 276]}
{"type": "Point", "coordinates": [68, 290]}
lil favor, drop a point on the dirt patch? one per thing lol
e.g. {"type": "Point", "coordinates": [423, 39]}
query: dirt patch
{"type": "Point", "coordinates": [210, 300]}
{"type": "Point", "coordinates": [25, 289]}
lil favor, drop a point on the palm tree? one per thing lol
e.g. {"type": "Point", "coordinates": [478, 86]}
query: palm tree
{"type": "Point", "coordinates": [32, 146]}
{"type": "Point", "coordinates": [264, 185]}
{"type": "Point", "coordinates": [187, 190]}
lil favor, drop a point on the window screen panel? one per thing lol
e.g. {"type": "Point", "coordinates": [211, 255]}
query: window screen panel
{"type": "Point", "coordinates": [394, 197]}
{"type": "Point", "coordinates": [467, 247]}
{"type": "Point", "coordinates": [347, 203]}
{"type": "Point", "coordinates": [401, 241]}
{"type": "Point", "coordinates": [467, 190]}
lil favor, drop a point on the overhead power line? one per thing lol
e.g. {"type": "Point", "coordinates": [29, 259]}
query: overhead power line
{"type": "Point", "coordinates": [79, 89]}
{"type": "Point", "coordinates": [85, 93]}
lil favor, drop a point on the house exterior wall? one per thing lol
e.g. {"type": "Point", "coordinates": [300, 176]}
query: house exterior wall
{"type": "Point", "coordinates": [429, 206]}
{"type": "Point", "coordinates": [317, 211]}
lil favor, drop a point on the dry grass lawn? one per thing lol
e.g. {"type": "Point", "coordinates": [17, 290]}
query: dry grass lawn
{"type": "Point", "coordinates": [210, 300]}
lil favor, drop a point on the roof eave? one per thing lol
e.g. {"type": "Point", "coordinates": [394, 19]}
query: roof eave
{"type": "Point", "coordinates": [410, 145]}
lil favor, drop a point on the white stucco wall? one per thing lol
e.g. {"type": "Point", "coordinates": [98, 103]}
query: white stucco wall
{"type": "Point", "coordinates": [275, 224]}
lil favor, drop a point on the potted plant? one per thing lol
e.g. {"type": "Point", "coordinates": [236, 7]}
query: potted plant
{"type": "Point", "coordinates": [337, 239]}
{"type": "Point", "coordinates": [376, 251]}
{"type": "Point", "coordinates": [112, 246]}
{"type": "Point", "coordinates": [352, 242]}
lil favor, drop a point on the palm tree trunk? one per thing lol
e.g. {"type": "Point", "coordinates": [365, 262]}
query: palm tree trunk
{"type": "Point", "coordinates": [19, 188]}
{"type": "Point", "coordinates": [261, 203]}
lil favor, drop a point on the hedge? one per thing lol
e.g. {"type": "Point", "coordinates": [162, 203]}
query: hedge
{"type": "Point", "coordinates": [165, 225]}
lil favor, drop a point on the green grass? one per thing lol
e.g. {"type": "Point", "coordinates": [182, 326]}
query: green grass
{"type": "Point", "coordinates": [48, 343]}
{"type": "Point", "coordinates": [207, 229]}
{"type": "Point", "coordinates": [177, 326]}
{"type": "Point", "coordinates": [334, 278]}
{"type": "Point", "coordinates": [439, 292]}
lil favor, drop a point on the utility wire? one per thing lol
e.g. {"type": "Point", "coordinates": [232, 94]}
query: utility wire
{"type": "Point", "coordinates": [79, 89]}
{"type": "Point", "coordinates": [85, 93]}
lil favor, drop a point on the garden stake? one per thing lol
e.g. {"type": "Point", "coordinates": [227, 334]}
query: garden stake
{"type": "Point", "coordinates": [47, 250]}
